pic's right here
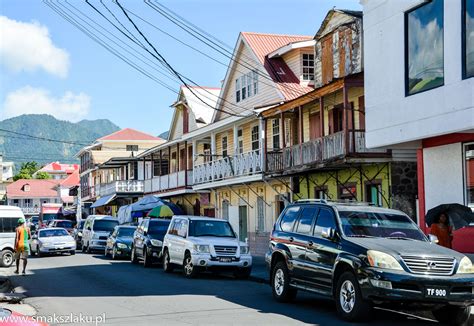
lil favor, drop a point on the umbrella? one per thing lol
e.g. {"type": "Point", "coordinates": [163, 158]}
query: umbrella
{"type": "Point", "coordinates": [459, 215]}
{"type": "Point", "coordinates": [165, 209]}
{"type": "Point", "coordinates": [146, 203]}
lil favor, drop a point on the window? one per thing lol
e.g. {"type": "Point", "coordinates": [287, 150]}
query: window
{"type": "Point", "coordinates": [255, 81]}
{"type": "Point", "coordinates": [207, 153]}
{"type": "Point", "coordinates": [240, 141]}
{"type": "Point", "coordinates": [308, 66]}
{"type": "Point", "coordinates": [276, 134]}
{"type": "Point", "coordinates": [225, 209]}
{"type": "Point", "coordinates": [424, 44]}
{"type": "Point", "coordinates": [288, 132]}
{"type": "Point", "coordinates": [156, 168]}
{"type": "Point", "coordinates": [173, 162]}
{"type": "Point", "coordinates": [27, 202]}
{"type": "Point", "coordinates": [373, 193]}
{"type": "Point", "coordinates": [8, 224]}
{"type": "Point", "coordinates": [289, 218]}
{"type": "Point", "coordinates": [255, 138]}
{"type": "Point", "coordinates": [325, 220]}
{"type": "Point", "coordinates": [132, 148]}
{"type": "Point", "coordinates": [468, 39]}
{"type": "Point", "coordinates": [224, 146]}
{"type": "Point", "coordinates": [321, 192]}
{"type": "Point", "coordinates": [348, 191]}
{"type": "Point", "coordinates": [306, 220]}
{"type": "Point", "coordinates": [246, 86]}
{"type": "Point", "coordinates": [260, 214]}
{"type": "Point", "coordinates": [469, 173]}
{"type": "Point", "coordinates": [237, 90]}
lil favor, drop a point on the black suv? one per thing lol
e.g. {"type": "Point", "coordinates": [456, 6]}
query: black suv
{"type": "Point", "coordinates": [148, 240]}
{"type": "Point", "coordinates": [361, 256]}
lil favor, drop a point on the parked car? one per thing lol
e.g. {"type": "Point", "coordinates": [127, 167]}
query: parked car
{"type": "Point", "coordinates": [361, 255]}
{"type": "Point", "coordinates": [52, 241]}
{"type": "Point", "coordinates": [120, 241]}
{"type": "Point", "coordinates": [148, 241]}
{"type": "Point", "coordinates": [65, 224]}
{"type": "Point", "coordinates": [9, 216]}
{"type": "Point", "coordinates": [199, 243]}
{"type": "Point", "coordinates": [77, 233]}
{"type": "Point", "coordinates": [96, 231]}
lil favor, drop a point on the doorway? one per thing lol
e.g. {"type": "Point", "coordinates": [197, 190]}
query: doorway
{"type": "Point", "coordinates": [242, 223]}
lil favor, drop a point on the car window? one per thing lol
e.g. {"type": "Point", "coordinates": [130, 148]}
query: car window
{"type": "Point", "coordinates": [158, 228]}
{"type": "Point", "coordinates": [306, 220]}
{"type": "Point", "coordinates": [325, 220]}
{"type": "Point", "coordinates": [206, 228]}
{"type": "Point", "coordinates": [183, 229]}
{"type": "Point", "coordinates": [52, 233]}
{"type": "Point", "coordinates": [288, 220]}
{"type": "Point", "coordinates": [104, 225]}
{"type": "Point", "coordinates": [8, 224]}
{"type": "Point", "coordinates": [64, 224]}
{"type": "Point", "coordinates": [125, 232]}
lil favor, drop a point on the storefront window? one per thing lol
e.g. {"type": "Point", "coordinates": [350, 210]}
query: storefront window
{"type": "Point", "coordinates": [469, 173]}
{"type": "Point", "coordinates": [424, 47]}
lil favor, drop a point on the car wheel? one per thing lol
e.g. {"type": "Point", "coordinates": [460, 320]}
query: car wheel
{"type": "Point", "coordinates": [349, 302]}
{"type": "Point", "coordinates": [243, 273]}
{"type": "Point", "coordinates": [114, 253]}
{"type": "Point", "coordinates": [7, 258]}
{"type": "Point", "coordinates": [167, 266]}
{"type": "Point", "coordinates": [133, 256]}
{"type": "Point", "coordinates": [72, 252]}
{"type": "Point", "coordinates": [452, 315]}
{"type": "Point", "coordinates": [281, 289]}
{"type": "Point", "coordinates": [189, 270]}
{"type": "Point", "coordinates": [146, 258]}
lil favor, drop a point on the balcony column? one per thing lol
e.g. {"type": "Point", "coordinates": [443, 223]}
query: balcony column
{"type": "Point", "coordinates": [263, 141]}
{"type": "Point", "coordinates": [282, 128]}
{"type": "Point", "coordinates": [177, 164]}
{"type": "Point", "coordinates": [321, 116]}
{"type": "Point", "coordinates": [161, 170]}
{"type": "Point", "coordinates": [345, 124]}
{"type": "Point", "coordinates": [236, 141]}
{"type": "Point", "coordinates": [301, 132]}
{"type": "Point", "coordinates": [185, 163]}
{"type": "Point", "coordinates": [213, 153]}
{"type": "Point", "coordinates": [169, 165]}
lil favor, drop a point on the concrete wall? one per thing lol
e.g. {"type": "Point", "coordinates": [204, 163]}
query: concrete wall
{"type": "Point", "coordinates": [443, 173]}
{"type": "Point", "coordinates": [392, 117]}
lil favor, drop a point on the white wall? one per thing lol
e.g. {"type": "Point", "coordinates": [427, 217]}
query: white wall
{"type": "Point", "coordinates": [391, 117]}
{"type": "Point", "coordinates": [443, 171]}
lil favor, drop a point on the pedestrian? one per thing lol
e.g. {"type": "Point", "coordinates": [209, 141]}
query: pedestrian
{"type": "Point", "coordinates": [443, 231]}
{"type": "Point", "coordinates": [22, 246]}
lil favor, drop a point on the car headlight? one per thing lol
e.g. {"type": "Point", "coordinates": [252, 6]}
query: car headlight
{"type": "Point", "coordinates": [244, 250]}
{"type": "Point", "coordinates": [382, 260]}
{"type": "Point", "coordinates": [121, 245]}
{"type": "Point", "coordinates": [465, 266]}
{"type": "Point", "coordinates": [156, 243]}
{"type": "Point", "coordinates": [204, 249]}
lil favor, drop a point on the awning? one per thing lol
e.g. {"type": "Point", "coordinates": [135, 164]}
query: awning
{"type": "Point", "coordinates": [102, 201]}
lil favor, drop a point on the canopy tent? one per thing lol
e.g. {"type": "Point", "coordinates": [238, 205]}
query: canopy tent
{"type": "Point", "coordinates": [165, 209]}
{"type": "Point", "coordinates": [147, 203]}
{"type": "Point", "coordinates": [124, 214]}
{"type": "Point", "coordinates": [102, 201]}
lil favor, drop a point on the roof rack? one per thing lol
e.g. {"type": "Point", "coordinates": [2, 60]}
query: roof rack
{"type": "Point", "coordinates": [340, 202]}
{"type": "Point", "coordinates": [324, 201]}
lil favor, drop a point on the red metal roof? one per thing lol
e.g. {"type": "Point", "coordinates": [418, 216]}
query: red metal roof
{"type": "Point", "coordinates": [38, 188]}
{"type": "Point", "coordinates": [263, 44]}
{"type": "Point", "coordinates": [72, 180]}
{"type": "Point", "coordinates": [60, 167]}
{"type": "Point", "coordinates": [129, 134]}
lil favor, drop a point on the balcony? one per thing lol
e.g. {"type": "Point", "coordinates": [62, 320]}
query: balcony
{"type": "Point", "coordinates": [168, 182]}
{"type": "Point", "coordinates": [120, 187]}
{"type": "Point", "coordinates": [320, 150]}
{"type": "Point", "coordinates": [228, 167]}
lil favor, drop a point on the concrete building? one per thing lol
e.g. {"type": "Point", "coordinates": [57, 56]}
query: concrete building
{"type": "Point", "coordinates": [419, 86]}
{"type": "Point", "coordinates": [6, 177]}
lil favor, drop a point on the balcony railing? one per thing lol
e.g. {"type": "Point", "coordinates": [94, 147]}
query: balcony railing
{"type": "Point", "coordinates": [123, 186]}
{"type": "Point", "coordinates": [169, 182]}
{"type": "Point", "coordinates": [319, 150]}
{"type": "Point", "coordinates": [228, 167]}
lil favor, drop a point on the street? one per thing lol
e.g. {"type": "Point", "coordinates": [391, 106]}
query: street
{"type": "Point", "coordinates": [130, 294]}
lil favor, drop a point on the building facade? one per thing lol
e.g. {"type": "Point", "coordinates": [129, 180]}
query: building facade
{"type": "Point", "coordinates": [6, 178]}
{"type": "Point", "coordinates": [428, 101]}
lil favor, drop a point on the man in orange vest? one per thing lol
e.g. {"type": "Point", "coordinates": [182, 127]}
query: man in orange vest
{"type": "Point", "coordinates": [22, 245]}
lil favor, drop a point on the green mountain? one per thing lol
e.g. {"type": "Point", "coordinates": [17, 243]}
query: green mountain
{"type": "Point", "coordinates": [57, 140]}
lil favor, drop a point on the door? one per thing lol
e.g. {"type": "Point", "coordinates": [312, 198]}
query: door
{"type": "Point", "coordinates": [242, 223]}
{"type": "Point", "coordinates": [140, 240]}
{"type": "Point", "coordinates": [322, 254]}
{"type": "Point", "coordinates": [314, 126]}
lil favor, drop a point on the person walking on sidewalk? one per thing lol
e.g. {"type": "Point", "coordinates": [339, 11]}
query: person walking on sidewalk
{"type": "Point", "coordinates": [443, 231]}
{"type": "Point", "coordinates": [22, 246]}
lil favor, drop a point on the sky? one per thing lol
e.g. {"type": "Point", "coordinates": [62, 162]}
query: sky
{"type": "Point", "coordinates": [49, 66]}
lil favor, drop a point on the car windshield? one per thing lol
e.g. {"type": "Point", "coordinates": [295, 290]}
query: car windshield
{"type": "Point", "coordinates": [158, 227]}
{"type": "Point", "coordinates": [125, 232]}
{"type": "Point", "coordinates": [34, 219]}
{"type": "Point", "coordinates": [49, 217]}
{"type": "Point", "coordinates": [211, 229]}
{"type": "Point", "coordinates": [52, 233]}
{"type": "Point", "coordinates": [65, 224]}
{"type": "Point", "coordinates": [105, 225]}
{"type": "Point", "coordinates": [380, 225]}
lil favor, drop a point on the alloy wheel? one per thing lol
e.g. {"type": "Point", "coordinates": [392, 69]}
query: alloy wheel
{"type": "Point", "coordinates": [188, 266]}
{"type": "Point", "coordinates": [279, 282]}
{"type": "Point", "coordinates": [347, 296]}
{"type": "Point", "coordinates": [7, 259]}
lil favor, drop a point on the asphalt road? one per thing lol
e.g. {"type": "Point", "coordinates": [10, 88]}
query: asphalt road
{"type": "Point", "coordinates": [132, 295]}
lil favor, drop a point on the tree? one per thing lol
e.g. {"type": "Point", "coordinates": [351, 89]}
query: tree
{"type": "Point", "coordinates": [43, 175]}
{"type": "Point", "coordinates": [27, 170]}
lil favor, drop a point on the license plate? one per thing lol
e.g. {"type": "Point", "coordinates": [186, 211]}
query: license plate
{"type": "Point", "coordinates": [225, 260]}
{"type": "Point", "coordinates": [436, 292]}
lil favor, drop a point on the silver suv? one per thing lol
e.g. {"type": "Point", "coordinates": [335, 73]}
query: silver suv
{"type": "Point", "coordinates": [200, 243]}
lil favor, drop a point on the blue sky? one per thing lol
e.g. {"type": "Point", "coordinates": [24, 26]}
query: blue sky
{"type": "Point", "coordinates": [81, 76]}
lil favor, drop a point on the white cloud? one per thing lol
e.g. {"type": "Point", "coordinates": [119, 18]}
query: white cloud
{"type": "Point", "coordinates": [30, 100]}
{"type": "Point", "coordinates": [28, 47]}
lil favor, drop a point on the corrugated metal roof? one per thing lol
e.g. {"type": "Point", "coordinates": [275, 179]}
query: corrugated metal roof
{"type": "Point", "coordinates": [129, 134]}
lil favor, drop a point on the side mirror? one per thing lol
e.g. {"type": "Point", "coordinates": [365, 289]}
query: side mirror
{"type": "Point", "coordinates": [433, 238]}
{"type": "Point", "coordinates": [328, 233]}
{"type": "Point", "coordinates": [89, 228]}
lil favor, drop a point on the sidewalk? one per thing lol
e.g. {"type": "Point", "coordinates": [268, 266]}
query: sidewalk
{"type": "Point", "coordinates": [260, 272]}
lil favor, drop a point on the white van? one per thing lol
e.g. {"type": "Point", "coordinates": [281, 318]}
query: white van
{"type": "Point", "coordinates": [9, 216]}
{"type": "Point", "coordinates": [97, 229]}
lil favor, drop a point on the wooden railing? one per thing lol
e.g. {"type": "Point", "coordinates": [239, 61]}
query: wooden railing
{"type": "Point", "coordinates": [170, 181]}
{"type": "Point", "coordinates": [121, 186]}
